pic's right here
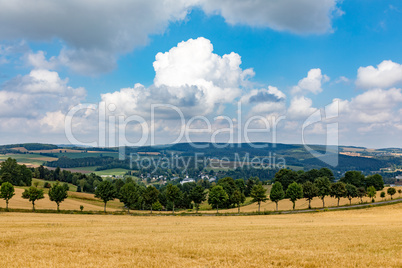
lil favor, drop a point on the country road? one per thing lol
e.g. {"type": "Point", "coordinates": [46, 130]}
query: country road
{"type": "Point", "coordinates": [342, 207]}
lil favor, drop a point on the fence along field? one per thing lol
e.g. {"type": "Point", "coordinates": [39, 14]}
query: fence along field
{"type": "Point", "coordinates": [355, 238]}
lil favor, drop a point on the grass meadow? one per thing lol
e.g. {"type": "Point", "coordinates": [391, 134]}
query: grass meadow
{"type": "Point", "coordinates": [355, 238]}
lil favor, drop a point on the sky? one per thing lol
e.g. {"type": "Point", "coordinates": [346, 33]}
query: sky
{"type": "Point", "coordinates": [108, 73]}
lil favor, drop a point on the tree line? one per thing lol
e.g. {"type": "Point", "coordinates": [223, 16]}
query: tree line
{"type": "Point", "coordinates": [226, 193]}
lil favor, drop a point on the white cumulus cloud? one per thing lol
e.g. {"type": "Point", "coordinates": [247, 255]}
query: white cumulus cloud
{"type": "Point", "coordinates": [386, 75]}
{"type": "Point", "coordinates": [34, 94]}
{"type": "Point", "coordinates": [189, 76]}
{"type": "Point", "coordinates": [312, 83]}
{"type": "Point", "coordinates": [300, 108]}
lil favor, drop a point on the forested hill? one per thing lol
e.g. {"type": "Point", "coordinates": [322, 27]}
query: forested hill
{"type": "Point", "coordinates": [295, 155]}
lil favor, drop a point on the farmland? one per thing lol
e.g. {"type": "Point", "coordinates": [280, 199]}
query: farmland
{"type": "Point", "coordinates": [28, 159]}
{"type": "Point", "coordinates": [358, 238]}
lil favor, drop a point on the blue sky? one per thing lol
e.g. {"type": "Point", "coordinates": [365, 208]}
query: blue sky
{"type": "Point", "coordinates": [56, 56]}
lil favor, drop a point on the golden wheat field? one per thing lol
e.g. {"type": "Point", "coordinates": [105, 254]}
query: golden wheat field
{"type": "Point", "coordinates": [355, 238]}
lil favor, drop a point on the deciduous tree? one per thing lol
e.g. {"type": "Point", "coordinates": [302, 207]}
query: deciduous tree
{"type": "Point", "coordinates": [217, 197]}
{"type": "Point", "coordinates": [338, 190]}
{"type": "Point", "coordinates": [129, 195]}
{"type": "Point", "coordinates": [324, 188]}
{"type": "Point", "coordinates": [238, 199]}
{"type": "Point", "coordinates": [259, 194]}
{"type": "Point", "coordinates": [277, 193]}
{"type": "Point", "coordinates": [391, 191]}
{"type": "Point", "coordinates": [173, 194]}
{"type": "Point", "coordinates": [105, 191]}
{"type": "Point", "coordinates": [361, 192]}
{"type": "Point", "coordinates": [150, 195]}
{"type": "Point", "coordinates": [198, 195]}
{"type": "Point", "coordinates": [33, 194]}
{"type": "Point", "coordinates": [351, 192]}
{"type": "Point", "coordinates": [286, 177]}
{"type": "Point", "coordinates": [294, 192]}
{"type": "Point", "coordinates": [57, 194]}
{"type": "Point", "coordinates": [371, 192]}
{"type": "Point", "coordinates": [310, 191]}
{"type": "Point", "coordinates": [7, 192]}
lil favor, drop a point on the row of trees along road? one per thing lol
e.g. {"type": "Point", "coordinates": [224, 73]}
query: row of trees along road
{"type": "Point", "coordinates": [58, 193]}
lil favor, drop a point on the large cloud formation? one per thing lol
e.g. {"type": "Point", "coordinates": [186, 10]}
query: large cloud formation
{"type": "Point", "coordinates": [189, 76]}
{"type": "Point", "coordinates": [95, 33]}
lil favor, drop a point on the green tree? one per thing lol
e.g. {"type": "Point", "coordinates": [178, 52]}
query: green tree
{"type": "Point", "coordinates": [150, 195]}
{"type": "Point", "coordinates": [230, 187]}
{"type": "Point", "coordinates": [15, 174]}
{"type": "Point", "coordinates": [286, 177]}
{"type": "Point", "coordinates": [157, 206]}
{"type": "Point", "coordinates": [33, 194]}
{"type": "Point", "coordinates": [374, 180]}
{"type": "Point", "coordinates": [241, 185]}
{"type": "Point", "coordinates": [82, 183]}
{"type": "Point", "coordinates": [399, 191]}
{"type": "Point", "coordinates": [324, 188]}
{"type": "Point", "coordinates": [198, 195]}
{"type": "Point", "coordinates": [326, 172]}
{"type": "Point", "coordinates": [65, 185]}
{"type": "Point", "coordinates": [118, 184]}
{"type": "Point", "coordinates": [217, 197]}
{"type": "Point", "coordinates": [259, 194]}
{"type": "Point", "coordinates": [391, 191]}
{"type": "Point", "coordinates": [105, 191]}
{"type": "Point", "coordinates": [277, 193]}
{"type": "Point", "coordinates": [238, 199]}
{"type": "Point", "coordinates": [371, 192]}
{"type": "Point", "coordinates": [173, 194]}
{"type": "Point", "coordinates": [250, 184]}
{"type": "Point", "coordinates": [7, 192]}
{"type": "Point", "coordinates": [361, 192]}
{"type": "Point", "coordinates": [310, 191]}
{"type": "Point", "coordinates": [129, 195]}
{"type": "Point", "coordinates": [351, 192]}
{"type": "Point", "coordinates": [353, 177]}
{"type": "Point", "coordinates": [382, 195]}
{"type": "Point", "coordinates": [57, 194]}
{"type": "Point", "coordinates": [294, 192]}
{"type": "Point", "coordinates": [9, 171]}
{"type": "Point", "coordinates": [338, 190]}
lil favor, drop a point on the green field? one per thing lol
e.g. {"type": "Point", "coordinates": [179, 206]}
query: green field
{"type": "Point", "coordinates": [82, 155]}
{"type": "Point", "coordinates": [108, 172]}
{"type": "Point", "coordinates": [72, 187]}
{"type": "Point", "coordinates": [111, 172]}
{"type": "Point", "coordinates": [34, 159]}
